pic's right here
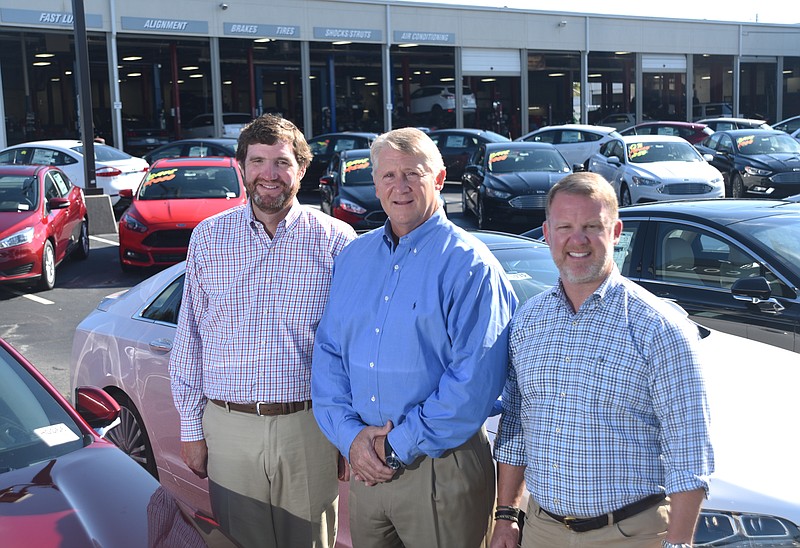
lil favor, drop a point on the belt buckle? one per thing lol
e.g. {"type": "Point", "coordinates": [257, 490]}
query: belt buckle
{"type": "Point", "coordinates": [568, 521]}
{"type": "Point", "coordinates": [258, 407]}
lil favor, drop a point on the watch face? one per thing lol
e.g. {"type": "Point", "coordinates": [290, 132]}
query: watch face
{"type": "Point", "coordinates": [393, 462]}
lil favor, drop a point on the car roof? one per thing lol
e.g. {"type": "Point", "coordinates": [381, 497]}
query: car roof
{"type": "Point", "coordinates": [20, 169]}
{"type": "Point", "coordinates": [205, 161]}
{"type": "Point", "coordinates": [466, 130]}
{"type": "Point", "coordinates": [520, 145]}
{"type": "Point", "coordinates": [671, 123]}
{"type": "Point", "coordinates": [367, 134]}
{"type": "Point", "coordinates": [731, 119]}
{"type": "Point", "coordinates": [751, 131]}
{"type": "Point", "coordinates": [581, 127]}
{"type": "Point", "coordinates": [213, 140]}
{"type": "Point", "coordinates": [56, 143]}
{"type": "Point", "coordinates": [722, 212]}
{"type": "Point", "coordinates": [360, 152]}
{"type": "Point", "coordinates": [652, 139]}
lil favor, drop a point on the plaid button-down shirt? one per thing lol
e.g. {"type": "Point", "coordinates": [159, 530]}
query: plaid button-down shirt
{"type": "Point", "coordinates": [251, 305]}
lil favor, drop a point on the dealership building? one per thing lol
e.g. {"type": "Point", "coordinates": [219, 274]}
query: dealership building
{"type": "Point", "coordinates": [372, 65]}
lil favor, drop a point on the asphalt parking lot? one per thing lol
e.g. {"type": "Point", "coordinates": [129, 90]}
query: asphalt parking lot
{"type": "Point", "coordinates": [41, 324]}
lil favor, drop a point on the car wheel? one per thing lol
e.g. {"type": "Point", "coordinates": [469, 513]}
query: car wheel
{"type": "Point", "coordinates": [737, 187]}
{"type": "Point", "coordinates": [48, 279]}
{"type": "Point", "coordinates": [464, 205]}
{"type": "Point", "coordinates": [131, 436]}
{"type": "Point", "coordinates": [483, 220]}
{"type": "Point", "coordinates": [625, 196]}
{"type": "Point", "coordinates": [82, 250]}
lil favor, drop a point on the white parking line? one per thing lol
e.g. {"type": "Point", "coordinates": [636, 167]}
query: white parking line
{"type": "Point", "coordinates": [34, 298]}
{"type": "Point", "coordinates": [103, 240]}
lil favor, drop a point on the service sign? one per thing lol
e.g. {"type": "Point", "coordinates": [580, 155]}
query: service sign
{"type": "Point", "coordinates": [256, 30]}
{"type": "Point", "coordinates": [49, 18]}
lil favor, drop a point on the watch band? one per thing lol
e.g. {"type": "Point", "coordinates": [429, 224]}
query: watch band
{"type": "Point", "coordinates": [392, 460]}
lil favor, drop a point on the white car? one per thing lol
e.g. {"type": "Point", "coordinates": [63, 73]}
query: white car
{"type": "Point", "coordinates": [115, 170]}
{"type": "Point", "coordinates": [203, 125]}
{"type": "Point", "coordinates": [576, 142]}
{"type": "Point", "coordinates": [441, 98]}
{"type": "Point", "coordinates": [650, 168]}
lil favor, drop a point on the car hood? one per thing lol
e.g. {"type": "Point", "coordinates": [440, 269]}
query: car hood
{"type": "Point", "coordinates": [189, 211]}
{"type": "Point", "coordinates": [523, 182]}
{"type": "Point", "coordinates": [13, 221]}
{"type": "Point", "coordinates": [90, 497]}
{"type": "Point", "coordinates": [677, 171]}
{"type": "Point", "coordinates": [363, 195]}
{"type": "Point", "coordinates": [774, 162]}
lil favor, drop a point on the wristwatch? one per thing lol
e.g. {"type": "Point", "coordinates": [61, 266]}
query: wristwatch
{"type": "Point", "coordinates": [392, 460]}
{"type": "Point", "coordinates": [667, 544]}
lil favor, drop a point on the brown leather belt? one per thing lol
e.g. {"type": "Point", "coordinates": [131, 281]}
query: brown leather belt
{"type": "Point", "coordinates": [582, 525]}
{"type": "Point", "coordinates": [262, 408]}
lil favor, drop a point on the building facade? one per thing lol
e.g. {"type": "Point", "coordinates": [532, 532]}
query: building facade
{"type": "Point", "coordinates": [372, 65]}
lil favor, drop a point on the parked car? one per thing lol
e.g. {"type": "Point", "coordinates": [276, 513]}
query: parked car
{"type": "Point", "coordinates": [648, 168]}
{"type": "Point", "coordinates": [43, 220]}
{"type": "Point", "coordinates": [620, 120]}
{"type": "Point", "coordinates": [61, 484]}
{"type": "Point", "coordinates": [724, 124]}
{"type": "Point", "coordinates": [324, 146]}
{"type": "Point", "coordinates": [138, 136]}
{"type": "Point", "coordinates": [347, 190]}
{"type": "Point", "coordinates": [733, 265]}
{"type": "Point", "coordinates": [457, 146]}
{"type": "Point", "coordinates": [438, 99]}
{"type": "Point", "coordinates": [175, 196]}
{"type": "Point", "coordinates": [692, 132]}
{"type": "Point", "coordinates": [757, 504]}
{"type": "Point", "coordinates": [576, 142]}
{"type": "Point", "coordinates": [509, 181]}
{"type": "Point", "coordinates": [789, 125]}
{"type": "Point", "coordinates": [711, 110]}
{"type": "Point", "coordinates": [194, 148]}
{"type": "Point", "coordinates": [755, 163]}
{"type": "Point", "coordinates": [115, 170]}
{"type": "Point", "coordinates": [203, 125]}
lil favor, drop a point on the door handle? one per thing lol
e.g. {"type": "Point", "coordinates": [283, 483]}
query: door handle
{"type": "Point", "coordinates": [161, 345]}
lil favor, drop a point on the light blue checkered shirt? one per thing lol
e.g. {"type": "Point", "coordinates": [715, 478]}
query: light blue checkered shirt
{"type": "Point", "coordinates": [605, 405]}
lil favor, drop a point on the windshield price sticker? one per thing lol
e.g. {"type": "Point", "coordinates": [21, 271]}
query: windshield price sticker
{"type": "Point", "coordinates": [56, 434]}
{"type": "Point", "coordinates": [353, 165]}
{"type": "Point", "coordinates": [637, 149]}
{"type": "Point", "coordinates": [498, 156]}
{"type": "Point", "coordinates": [160, 176]}
{"type": "Point", "coordinates": [516, 276]}
{"type": "Point", "coordinates": [744, 141]}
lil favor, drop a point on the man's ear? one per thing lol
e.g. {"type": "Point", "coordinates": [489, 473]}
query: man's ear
{"type": "Point", "coordinates": [440, 178]}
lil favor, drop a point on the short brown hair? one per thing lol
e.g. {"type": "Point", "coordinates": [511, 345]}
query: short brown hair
{"type": "Point", "coordinates": [269, 129]}
{"type": "Point", "coordinates": [585, 183]}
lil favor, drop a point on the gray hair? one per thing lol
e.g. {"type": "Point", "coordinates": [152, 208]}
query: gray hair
{"type": "Point", "coordinates": [411, 141]}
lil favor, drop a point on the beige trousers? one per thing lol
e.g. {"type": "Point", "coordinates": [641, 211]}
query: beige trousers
{"type": "Point", "coordinates": [272, 480]}
{"type": "Point", "coordinates": [644, 530]}
{"type": "Point", "coordinates": [446, 502]}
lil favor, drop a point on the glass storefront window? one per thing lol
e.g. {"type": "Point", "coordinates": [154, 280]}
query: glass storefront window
{"type": "Point", "coordinates": [758, 90]}
{"type": "Point", "coordinates": [612, 78]}
{"type": "Point", "coordinates": [554, 81]}
{"type": "Point", "coordinates": [664, 96]}
{"type": "Point", "coordinates": [791, 87]}
{"type": "Point", "coordinates": [712, 95]}
{"type": "Point", "coordinates": [423, 88]}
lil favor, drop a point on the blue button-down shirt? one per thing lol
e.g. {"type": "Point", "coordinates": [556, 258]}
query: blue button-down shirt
{"type": "Point", "coordinates": [415, 333]}
{"type": "Point", "coordinates": [605, 405]}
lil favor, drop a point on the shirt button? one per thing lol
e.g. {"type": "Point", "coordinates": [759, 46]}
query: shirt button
{"type": "Point", "coordinates": [397, 267]}
{"type": "Point", "coordinates": [574, 322]}
{"type": "Point", "coordinates": [415, 250]}
{"type": "Point", "coordinates": [377, 330]}
{"type": "Point", "coordinates": [563, 394]}
{"type": "Point", "coordinates": [386, 298]}
{"type": "Point", "coordinates": [556, 501]}
{"type": "Point", "coordinates": [558, 430]}
{"type": "Point", "coordinates": [373, 398]}
{"type": "Point", "coordinates": [555, 467]}
{"type": "Point", "coordinates": [567, 359]}
{"type": "Point", "coordinates": [372, 364]}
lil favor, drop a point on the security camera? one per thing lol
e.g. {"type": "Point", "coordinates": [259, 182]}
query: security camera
{"type": "Point", "coordinates": [223, 6]}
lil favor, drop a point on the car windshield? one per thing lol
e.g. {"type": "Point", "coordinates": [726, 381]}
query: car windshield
{"type": "Point", "coordinates": [18, 193]}
{"type": "Point", "coordinates": [750, 145]}
{"type": "Point", "coordinates": [645, 153]}
{"type": "Point", "coordinates": [33, 426]}
{"type": "Point", "coordinates": [780, 233]}
{"type": "Point", "coordinates": [515, 160]}
{"type": "Point", "coordinates": [179, 183]}
{"type": "Point", "coordinates": [105, 153]}
{"type": "Point", "coordinates": [357, 171]}
{"type": "Point", "coordinates": [529, 268]}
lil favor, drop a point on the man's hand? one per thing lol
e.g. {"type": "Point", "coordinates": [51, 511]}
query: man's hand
{"type": "Point", "coordinates": [366, 464]}
{"type": "Point", "coordinates": [505, 535]}
{"type": "Point", "coordinates": [195, 455]}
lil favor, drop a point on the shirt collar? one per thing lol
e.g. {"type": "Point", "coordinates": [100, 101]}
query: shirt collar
{"type": "Point", "coordinates": [289, 222]}
{"type": "Point", "coordinates": [420, 234]}
{"type": "Point", "coordinates": [605, 289]}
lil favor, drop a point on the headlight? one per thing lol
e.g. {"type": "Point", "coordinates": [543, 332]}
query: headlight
{"type": "Point", "coordinates": [644, 181]}
{"type": "Point", "coordinates": [757, 172]}
{"type": "Point", "coordinates": [497, 193]}
{"type": "Point", "coordinates": [715, 528]}
{"type": "Point", "coordinates": [24, 236]}
{"type": "Point", "coordinates": [352, 207]}
{"type": "Point", "coordinates": [132, 223]}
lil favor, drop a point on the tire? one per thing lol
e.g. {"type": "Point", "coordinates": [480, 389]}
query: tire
{"type": "Point", "coordinates": [464, 204]}
{"type": "Point", "coordinates": [737, 187]}
{"type": "Point", "coordinates": [625, 196]}
{"type": "Point", "coordinates": [47, 281]}
{"type": "Point", "coordinates": [82, 249]}
{"type": "Point", "coordinates": [131, 437]}
{"type": "Point", "coordinates": [483, 220]}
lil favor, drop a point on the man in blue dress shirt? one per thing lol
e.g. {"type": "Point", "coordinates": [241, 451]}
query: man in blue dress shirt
{"type": "Point", "coordinates": [409, 357]}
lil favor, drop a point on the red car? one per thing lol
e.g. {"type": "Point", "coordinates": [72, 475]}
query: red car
{"type": "Point", "coordinates": [691, 131]}
{"type": "Point", "coordinates": [42, 221]}
{"type": "Point", "coordinates": [175, 195]}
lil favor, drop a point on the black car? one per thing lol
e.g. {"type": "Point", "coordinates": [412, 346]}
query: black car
{"type": "Point", "coordinates": [755, 163]}
{"type": "Point", "coordinates": [509, 181]}
{"type": "Point", "coordinates": [347, 191]}
{"type": "Point", "coordinates": [324, 146]}
{"type": "Point", "coordinates": [194, 148]}
{"type": "Point", "coordinates": [733, 265]}
{"type": "Point", "coordinates": [459, 145]}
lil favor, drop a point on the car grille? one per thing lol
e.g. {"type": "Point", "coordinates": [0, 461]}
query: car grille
{"type": "Point", "coordinates": [787, 177]}
{"type": "Point", "coordinates": [687, 188]}
{"type": "Point", "coordinates": [18, 271]}
{"type": "Point", "coordinates": [529, 201]}
{"type": "Point", "coordinates": [168, 257]}
{"type": "Point", "coordinates": [169, 238]}
{"type": "Point", "coordinates": [377, 217]}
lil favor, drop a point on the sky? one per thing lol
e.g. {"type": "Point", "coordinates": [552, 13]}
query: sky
{"type": "Point", "coordinates": [745, 11]}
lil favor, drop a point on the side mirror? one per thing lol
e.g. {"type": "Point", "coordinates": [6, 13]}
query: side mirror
{"type": "Point", "coordinates": [96, 406]}
{"type": "Point", "coordinates": [752, 288]}
{"type": "Point", "coordinates": [614, 161]}
{"type": "Point", "coordinates": [577, 168]}
{"type": "Point", "coordinates": [126, 193]}
{"type": "Point", "coordinates": [58, 203]}
{"type": "Point", "coordinates": [708, 157]}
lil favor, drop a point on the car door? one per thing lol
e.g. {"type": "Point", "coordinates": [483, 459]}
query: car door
{"type": "Point", "coordinates": [575, 145]}
{"type": "Point", "coordinates": [609, 162]}
{"type": "Point", "coordinates": [472, 179]}
{"type": "Point", "coordinates": [721, 147]}
{"type": "Point", "coordinates": [69, 164]}
{"type": "Point", "coordinates": [697, 268]}
{"type": "Point", "coordinates": [57, 219]}
{"type": "Point", "coordinates": [73, 212]}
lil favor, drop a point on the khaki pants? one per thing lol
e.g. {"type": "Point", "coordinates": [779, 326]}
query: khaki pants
{"type": "Point", "coordinates": [272, 480]}
{"type": "Point", "coordinates": [446, 502]}
{"type": "Point", "coordinates": [644, 530]}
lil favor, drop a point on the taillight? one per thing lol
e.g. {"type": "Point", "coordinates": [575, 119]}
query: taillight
{"type": "Point", "coordinates": [108, 171]}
